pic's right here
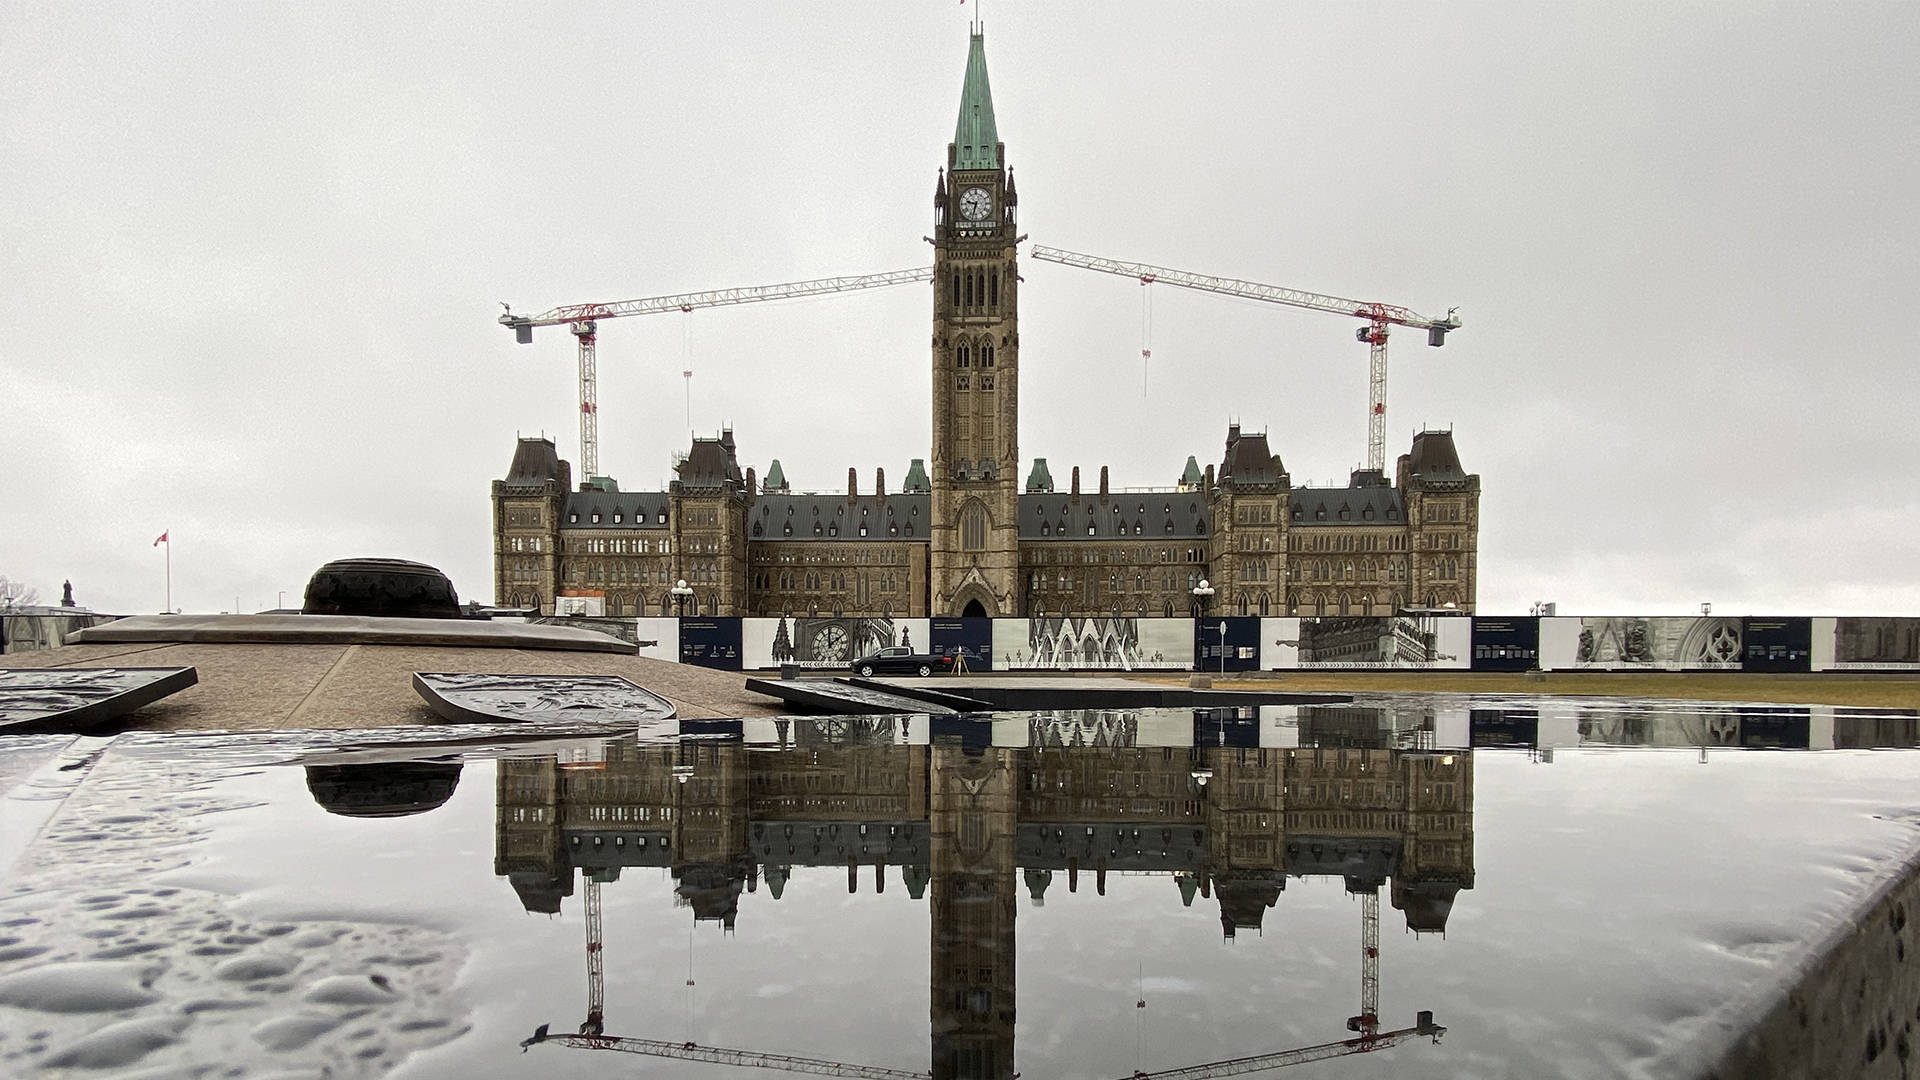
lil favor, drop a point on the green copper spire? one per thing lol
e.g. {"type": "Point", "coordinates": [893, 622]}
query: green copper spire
{"type": "Point", "coordinates": [1191, 478]}
{"type": "Point", "coordinates": [917, 477]}
{"type": "Point", "coordinates": [1040, 479]}
{"type": "Point", "coordinates": [776, 479]}
{"type": "Point", "coordinates": [975, 140]}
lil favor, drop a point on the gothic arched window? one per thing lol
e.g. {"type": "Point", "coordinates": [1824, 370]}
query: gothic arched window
{"type": "Point", "coordinates": [973, 528]}
{"type": "Point", "coordinates": [986, 354]}
{"type": "Point", "coordinates": [963, 356]}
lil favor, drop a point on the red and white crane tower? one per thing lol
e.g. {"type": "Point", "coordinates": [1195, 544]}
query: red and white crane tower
{"type": "Point", "coordinates": [584, 320]}
{"type": "Point", "coordinates": [1378, 318]}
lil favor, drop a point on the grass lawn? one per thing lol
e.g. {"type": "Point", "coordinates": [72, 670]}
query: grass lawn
{"type": "Point", "coordinates": [1883, 691]}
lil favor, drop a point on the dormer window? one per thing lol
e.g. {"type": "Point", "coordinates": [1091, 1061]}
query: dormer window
{"type": "Point", "coordinates": [596, 517]}
{"type": "Point", "coordinates": [863, 528]}
{"type": "Point", "coordinates": [1046, 528]}
{"type": "Point", "coordinates": [662, 519]}
{"type": "Point", "coordinates": [1089, 528]}
{"type": "Point", "coordinates": [817, 530]}
{"type": "Point", "coordinates": [616, 517]}
{"type": "Point", "coordinates": [573, 518]}
{"type": "Point", "coordinates": [1320, 514]}
{"type": "Point", "coordinates": [787, 529]}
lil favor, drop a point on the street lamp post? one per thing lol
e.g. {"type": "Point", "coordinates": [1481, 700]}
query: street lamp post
{"type": "Point", "coordinates": [680, 594]}
{"type": "Point", "coordinates": [1201, 594]}
{"type": "Point", "coordinates": [1223, 646]}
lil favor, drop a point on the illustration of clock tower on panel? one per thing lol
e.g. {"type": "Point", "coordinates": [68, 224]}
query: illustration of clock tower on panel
{"type": "Point", "coordinates": [976, 366]}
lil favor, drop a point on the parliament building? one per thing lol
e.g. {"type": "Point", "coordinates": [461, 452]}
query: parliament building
{"type": "Point", "coordinates": [965, 534]}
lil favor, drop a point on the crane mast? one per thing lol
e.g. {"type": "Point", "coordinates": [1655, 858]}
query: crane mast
{"type": "Point", "coordinates": [1378, 318]}
{"type": "Point", "coordinates": [583, 320]}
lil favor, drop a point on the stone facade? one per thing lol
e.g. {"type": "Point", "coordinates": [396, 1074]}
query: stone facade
{"type": "Point", "coordinates": [965, 538]}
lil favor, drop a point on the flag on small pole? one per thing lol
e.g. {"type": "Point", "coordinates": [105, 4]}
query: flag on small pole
{"type": "Point", "coordinates": [163, 540]}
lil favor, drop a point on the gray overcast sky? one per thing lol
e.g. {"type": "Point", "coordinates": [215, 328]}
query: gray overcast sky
{"type": "Point", "coordinates": [252, 256]}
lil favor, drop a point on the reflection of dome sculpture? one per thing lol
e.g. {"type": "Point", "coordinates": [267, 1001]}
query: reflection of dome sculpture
{"type": "Point", "coordinates": [387, 789]}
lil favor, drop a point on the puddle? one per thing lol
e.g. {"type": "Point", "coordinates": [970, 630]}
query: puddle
{"type": "Point", "coordinates": [1570, 888]}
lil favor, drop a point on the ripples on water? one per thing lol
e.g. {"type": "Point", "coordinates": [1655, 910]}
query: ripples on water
{"type": "Point", "coordinates": [1071, 894]}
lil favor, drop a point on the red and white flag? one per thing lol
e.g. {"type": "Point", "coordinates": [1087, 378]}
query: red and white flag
{"type": "Point", "coordinates": [163, 540]}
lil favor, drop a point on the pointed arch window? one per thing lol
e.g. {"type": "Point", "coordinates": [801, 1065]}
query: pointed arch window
{"type": "Point", "coordinates": [973, 528]}
{"type": "Point", "coordinates": [986, 354]}
{"type": "Point", "coordinates": [963, 356]}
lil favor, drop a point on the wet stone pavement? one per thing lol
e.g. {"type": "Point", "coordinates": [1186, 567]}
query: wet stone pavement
{"type": "Point", "coordinates": [1571, 888]}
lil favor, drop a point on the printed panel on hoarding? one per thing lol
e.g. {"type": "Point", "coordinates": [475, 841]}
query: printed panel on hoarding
{"type": "Point", "coordinates": [1503, 727]}
{"type": "Point", "coordinates": [1367, 641]}
{"type": "Point", "coordinates": [1506, 644]}
{"type": "Point", "coordinates": [825, 641]}
{"type": "Point", "coordinates": [1777, 645]}
{"type": "Point", "coordinates": [1633, 643]}
{"type": "Point", "coordinates": [970, 639]}
{"type": "Point", "coordinates": [1866, 644]}
{"type": "Point", "coordinates": [580, 602]}
{"type": "Point", "coordinates": [1234, 648]}
{"type": "Point", "coordinates": [1092, 642]}
{"type": "Point", "coordinates": [713, 643]}
{"type": "Point", "coordinates": [658, 637]}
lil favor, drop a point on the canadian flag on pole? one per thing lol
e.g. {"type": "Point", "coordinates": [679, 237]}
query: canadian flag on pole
{"type": "Point", "coordinates": [162, 540]}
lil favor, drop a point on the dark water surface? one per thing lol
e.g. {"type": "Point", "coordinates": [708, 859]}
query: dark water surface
{"type": "Point", "coordinates": [1572, 889]}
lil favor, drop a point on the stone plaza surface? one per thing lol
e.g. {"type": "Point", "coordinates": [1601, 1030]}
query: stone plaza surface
{"type": "Point", "coordinates": [268, 687]}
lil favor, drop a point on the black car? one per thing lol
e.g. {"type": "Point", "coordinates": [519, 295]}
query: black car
{"type": "Point", "coordinates": [900, 660]}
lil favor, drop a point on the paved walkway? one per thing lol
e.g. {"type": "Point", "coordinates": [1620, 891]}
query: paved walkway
{"type": "Point", "coordinates": [273, 687]}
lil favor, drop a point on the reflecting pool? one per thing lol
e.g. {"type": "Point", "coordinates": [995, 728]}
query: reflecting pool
{"type": "Point", "coordinates": [1568, 888]}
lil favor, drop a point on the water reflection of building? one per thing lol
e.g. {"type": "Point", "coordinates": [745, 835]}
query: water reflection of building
{"type": "Point", "coordinates": [972, 827]}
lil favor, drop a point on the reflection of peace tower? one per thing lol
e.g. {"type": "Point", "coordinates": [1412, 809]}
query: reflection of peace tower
{"type": "Point", "coordinates": [976, 365]}
{"type": "Point", "coordinates": [972, 804]}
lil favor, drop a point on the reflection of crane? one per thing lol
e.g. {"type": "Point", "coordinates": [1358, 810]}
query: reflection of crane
{"type": "Point", "coordinates": [1423, 1025]}
{"type": "Point", "coordinates": [1378, 317]}
{"type": "Point", "coordinates": [1370, 1036]}
{"type": "Point", "coordinates": [583, 320]}
{"type": "Point", "coordinates": [1379, 1040]}
{"type": "Point", "coordinates": [1368, 1022]}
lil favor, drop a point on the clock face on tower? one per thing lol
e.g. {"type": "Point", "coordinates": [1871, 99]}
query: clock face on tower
{"type": "Point", "coordinates": [976, 204]}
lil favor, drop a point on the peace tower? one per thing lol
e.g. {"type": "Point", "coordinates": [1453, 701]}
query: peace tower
{"type": "Point", "coordinates": [975, 538]}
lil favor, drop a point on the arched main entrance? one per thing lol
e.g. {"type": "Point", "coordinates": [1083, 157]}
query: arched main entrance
{"type": "Point", "coordinates": [973, 610]}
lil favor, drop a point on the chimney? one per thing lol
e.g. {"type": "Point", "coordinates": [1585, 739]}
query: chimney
{"type": "Point", "coordinates": [1076, 483]}
{"type": "Point", "coordinates": [1207, 488]}
{"type": "Point", "coordinates": [753, 487]}
{"type": "Point", "coordinates": [880, 482]}
{"type": "Point", "coordinates": [853, 483]}
{"type": "Point", "coordinates": [1103, 483]}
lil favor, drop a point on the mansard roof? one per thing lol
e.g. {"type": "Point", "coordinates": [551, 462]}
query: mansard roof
{"type": "Point", "coordinates": [711, 464]}
{"type": "Point", "coordinates": [1368, 505]}
{"type": "Point", "coordinates": [793, 517]}
{"type": "Point", "coordinates": [1133, 515]}
{"type": "Point", "coordinates": [535, 462]}
{"type": "Point", "coordinates": [1249, 462]}
{"type": "Point", "coordinates": [976, 140]}
{"type": "Point", "coordinates": [615, 510]}
{"type": "Point", "coordinates": [1434, 456]}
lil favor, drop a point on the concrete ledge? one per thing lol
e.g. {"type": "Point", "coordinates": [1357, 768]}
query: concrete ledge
{"type": "Point", "coordinates": [1854, 1010]}
{"type": "Point", "coordinates": [346, 630]}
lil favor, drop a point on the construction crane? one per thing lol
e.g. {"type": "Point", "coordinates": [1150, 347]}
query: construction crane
{"type": "Point", "coordinates": [1378, 318]}
{"type": "Point", "coordinates": [584, 321]}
